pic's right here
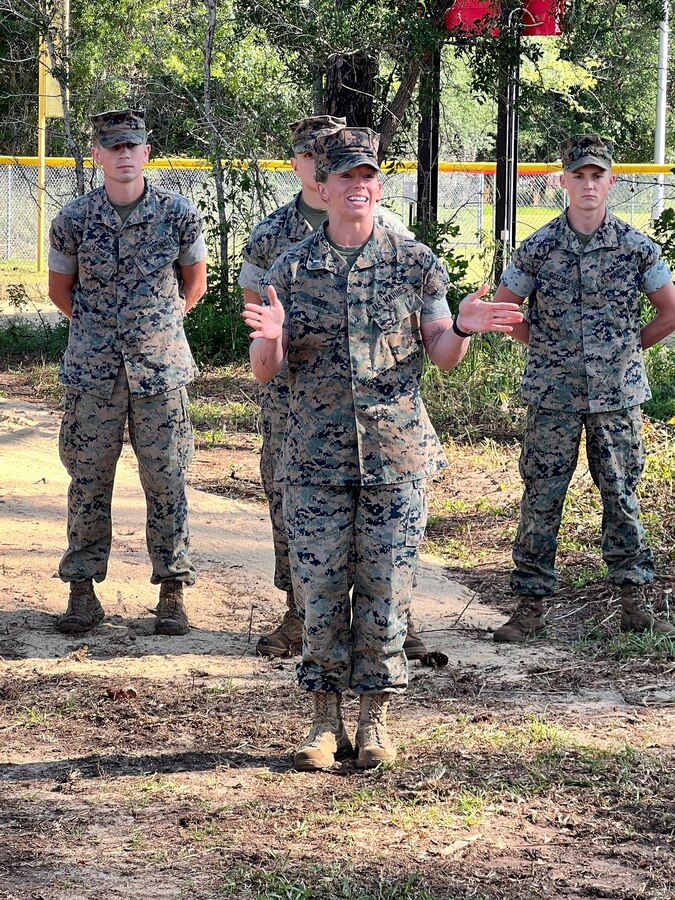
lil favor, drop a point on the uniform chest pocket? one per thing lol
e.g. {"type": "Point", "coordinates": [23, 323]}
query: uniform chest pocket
{"type": "Point", "coordinates": [95, 262]}
{"type": "Point", "coordinates": [392, 314]}
{"type": "Point", "coordinates": [619, 281]}
{"type": "Point", "coordinates": [157, 256]}
{"type": "Point", "coordinates": [314, 318]}
{"type": "Point", "coordinates": [395, 330]}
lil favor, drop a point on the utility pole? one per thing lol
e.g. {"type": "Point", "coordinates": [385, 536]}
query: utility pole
{"type": "Point", "coordinates": [428, 141]}
{"type": "Point", "coordinates": [506, 176]}
{"type": "Point", "coordinates": [661, 107]}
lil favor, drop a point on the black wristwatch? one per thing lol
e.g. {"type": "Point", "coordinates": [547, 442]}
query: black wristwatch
{"type": "Point", "coordinates": [459, 332]}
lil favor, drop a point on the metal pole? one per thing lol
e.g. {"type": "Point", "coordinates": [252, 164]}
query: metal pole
{"type": "Point", "coordinates": [661, 107]}
{"type": "Point", "coordinates": [506, 176]}
{"type": "Point", "coordinates": [428, 141]}
{"type": "Point", "coordinates": [9, 211]}
{"type": "Point", "coordinates": [41, 150]}
{"type": "Point", "coordinates": [480, 224]}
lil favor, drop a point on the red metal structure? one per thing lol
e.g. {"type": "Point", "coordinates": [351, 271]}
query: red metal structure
{"type": "Point", "coordinates": [466, 18]}
{"type": "Point", "coordinates": [470, 17]}
{"type": "Point", "coordinates": [542, 17]}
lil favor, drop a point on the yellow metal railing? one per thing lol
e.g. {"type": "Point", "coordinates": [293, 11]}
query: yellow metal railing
{"type": "Point", "coordinates": [476, 168]}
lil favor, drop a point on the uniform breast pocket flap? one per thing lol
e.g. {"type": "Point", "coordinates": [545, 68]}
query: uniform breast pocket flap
{"type": "Point", "coordinates": [97, 264]}
{"type": "Point", "coordinates": [314, 314]}
{"type": "Point", "coordinates": [389, 312]}
{"type": "Point", "coordinates": [157, 256]}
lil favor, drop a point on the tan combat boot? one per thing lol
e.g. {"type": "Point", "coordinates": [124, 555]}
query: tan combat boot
{"type": "Point", "coordinates": [526, 621]}
{"type": "Point", "coordinates": [327, 739]}
{"type": "Point", "coordinates": [414, 647]}
{"type": "Point", "coordinates": [634, 616]}
{"type": "Point", "coordinates": [171, 616]}
{"type": "Point", "coordinates": [84, 609]}
{"type": "Point", "coordinates": [286, 639]}
{"type": "Point", "coordinates": [372, 741]}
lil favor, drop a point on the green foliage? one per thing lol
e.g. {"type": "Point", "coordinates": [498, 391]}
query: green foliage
{"type": "Point", "coordinates": [330, 883]}
{"type": "Point", "coordinates": [438, 236]}
{"type": "Point", "coordinates": [23, 337]}
{"type": "Point", "coordinates": [660, 365]}
{"type": "Point", "coordinates": [480, 397]}
{"type": "Point", "coordinates": [664, 233]}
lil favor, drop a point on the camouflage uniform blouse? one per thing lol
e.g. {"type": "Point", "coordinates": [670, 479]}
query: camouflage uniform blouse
{"type": "Point", "coordinates": [584, 351]}
{"type": "Point", "coordinates": [355, 358]}
{"type": "Point", "coordinates": [127, 301]}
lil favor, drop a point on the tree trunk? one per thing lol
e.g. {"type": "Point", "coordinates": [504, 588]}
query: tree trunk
{"type": "Point", "coordinates": [350, 87]}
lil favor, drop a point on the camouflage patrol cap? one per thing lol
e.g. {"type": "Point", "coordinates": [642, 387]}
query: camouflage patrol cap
{"type": "Point", "coordinates": [586, 150]}
{"type": "Point", "coordinates": [119, 126]}
{"type": "Point", "coordinates": [305, 131]}
{"type": "Point", "coordinates": [345, 149]}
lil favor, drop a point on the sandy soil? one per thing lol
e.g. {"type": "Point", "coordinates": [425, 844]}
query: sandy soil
{"type": "Point", "coordinates": [232, 602]}
{"type": "Point", "coordinates": [135, 765]}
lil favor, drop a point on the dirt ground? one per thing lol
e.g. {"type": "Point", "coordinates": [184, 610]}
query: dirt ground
{"type": "Point", "coordinates": [135, 765]}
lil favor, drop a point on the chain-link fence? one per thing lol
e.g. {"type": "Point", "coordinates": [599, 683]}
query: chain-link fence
{"type": "Point", "coordinates": [466, 197]}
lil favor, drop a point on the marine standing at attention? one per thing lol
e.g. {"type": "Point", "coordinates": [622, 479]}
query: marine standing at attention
{"type": "Point", "coordinates": [127, 262]}
{"type": "Point", "coordinates": [584, 273]}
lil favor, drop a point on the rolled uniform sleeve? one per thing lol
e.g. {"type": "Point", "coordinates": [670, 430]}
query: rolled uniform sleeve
{"type": "Point", "coordinates": [256, 261]}
{"type": "Point", "coordinates": [250, 275]}
{"type": "Point", "coordinates": [655, 272]}
{"type": "Point", "coordinates": [519, 276]}
{"type": "Point", "coordinates": [434, 298]}
{"type": "Point", "coordinates": [62, 247]}
{"type": "Point", "coordinates": [192, 244]}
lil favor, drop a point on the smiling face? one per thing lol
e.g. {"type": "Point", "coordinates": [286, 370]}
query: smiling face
{"type": "Point", "coordinates": [351, 195]}
{"type": "Point", "coordinates": [588, 187]}
{"type": "Point", "coordinates": [122, 164]}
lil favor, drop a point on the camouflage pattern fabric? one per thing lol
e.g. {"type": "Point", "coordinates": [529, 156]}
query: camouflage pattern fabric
{"type": "Point", "coordinates": [354, 642]}
{"type": "Point", "coordinates": [127, 301]}
{"type": "Point", "coordinates": [280, 231]}
{"type": "Point", "coordinates": [586, 150]}
{"type": "Point", "coordinates": [305, 131]}
{"type": "Point", "coordinates": [615, 458]}
{"type": "Point", "coordinates": [584, 349]}
{"type": "Point", "coordinates": [118, 126]}
{"type": "Point", "coordinates": [90, 444]}
{"type": "Point", "coordinates": [355, 360]}
{"type": "Point", "coordinates": [340, 151]}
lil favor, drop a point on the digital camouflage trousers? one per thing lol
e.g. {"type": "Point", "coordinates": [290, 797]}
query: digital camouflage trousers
{"type": "Point", "coordinates": [548, 459]}
{"type": "Point", "coordinates": [90, 443]}
{"type": "Point", "coordinates": [368, 535]}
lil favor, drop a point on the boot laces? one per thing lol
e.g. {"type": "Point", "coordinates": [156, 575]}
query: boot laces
{"type": "Point", "coordinates": [525, 610]}
{"type": "Point", "coordinates": [375, 725]}
{"type": "Point", "coordinates": [170, 601]}
{"type": "Point", "coordinates": [324, 721]}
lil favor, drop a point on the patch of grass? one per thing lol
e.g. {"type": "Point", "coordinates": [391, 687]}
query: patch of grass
{"type": "Point", "coordinates": [35, 716]}
{"type": "Point", "coordinates": [327, 883]}
{"type": "Point", "coordinates": [156, 787]}
{"type": "Point", "coordinates": [45, 380]}
{"type": "Point", "coordinates": [631, 645]}
{"type": "Point", "coordinates": [660, 365]}
{"type": "Point", "coordinates": [480, 397]}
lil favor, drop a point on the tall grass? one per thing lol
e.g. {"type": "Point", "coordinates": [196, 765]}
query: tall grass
{"type": "Point", "coordinates": [480, 397]}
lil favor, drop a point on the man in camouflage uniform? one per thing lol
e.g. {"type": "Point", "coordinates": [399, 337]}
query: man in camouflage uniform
{"type": "Point", "coordinates": [127, 261]}
{"type": "Point", "coordinates": [355, 306]}
{"type": "Point", "coordinates": [280, 231]}
{"type": "Point", "coordinates": [583, 273]}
